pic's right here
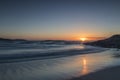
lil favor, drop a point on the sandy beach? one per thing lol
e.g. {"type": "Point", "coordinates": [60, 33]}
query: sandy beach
{"type": "Point", "coordinates": [112, 73]}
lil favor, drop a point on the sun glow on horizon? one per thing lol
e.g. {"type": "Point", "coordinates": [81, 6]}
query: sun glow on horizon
{"type": "Point", "coordinates": [83, 39]}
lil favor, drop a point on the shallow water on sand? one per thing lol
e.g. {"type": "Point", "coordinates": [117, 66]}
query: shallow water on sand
{"type": "Point", "coordinates": [59, 68]}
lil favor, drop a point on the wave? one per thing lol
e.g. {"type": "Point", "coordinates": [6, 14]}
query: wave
{"type": "Point", "coordinates": [33, 54]}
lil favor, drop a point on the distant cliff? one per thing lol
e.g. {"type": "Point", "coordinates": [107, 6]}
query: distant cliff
{"type": "Point", "coordinates": [112, 42]}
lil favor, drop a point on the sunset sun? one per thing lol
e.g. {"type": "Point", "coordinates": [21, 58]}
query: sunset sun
{"type": "Point", "coordinates": [83, 39]}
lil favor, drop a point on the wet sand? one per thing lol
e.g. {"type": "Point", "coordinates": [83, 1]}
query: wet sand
{"type": "Point", "coordinates": [112, 73]}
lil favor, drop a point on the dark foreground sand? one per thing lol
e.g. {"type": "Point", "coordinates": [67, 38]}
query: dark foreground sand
{"type": "Point", "coordinates": [106, 74]}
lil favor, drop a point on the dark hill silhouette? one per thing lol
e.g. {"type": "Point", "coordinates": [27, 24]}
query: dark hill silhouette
{"type": "Point", "coordinates": [3, 39]}
{"type": "Point", "coordinates": [112, 42]}
{"type": "Point", "coordinates": [7, 40]}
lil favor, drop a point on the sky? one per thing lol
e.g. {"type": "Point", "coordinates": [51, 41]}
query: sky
{"type": "Point", "coordinates": [59, 19]}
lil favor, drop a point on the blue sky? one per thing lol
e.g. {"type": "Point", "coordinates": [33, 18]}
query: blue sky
{"type": "Point", "coordinates": [59, 19]}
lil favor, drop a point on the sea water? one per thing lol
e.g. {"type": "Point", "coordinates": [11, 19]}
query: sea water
{"type": "Point", "coordinates": [34, 61]}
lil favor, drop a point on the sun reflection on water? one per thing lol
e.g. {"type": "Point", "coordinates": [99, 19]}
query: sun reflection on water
{"type": "Point", "coordinates": [84, 66]}
{"type": "Point", "coordinates": [79, 47]}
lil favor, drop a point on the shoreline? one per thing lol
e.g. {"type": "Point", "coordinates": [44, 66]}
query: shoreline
{"type": "Point", "coordinates": [110, 73]}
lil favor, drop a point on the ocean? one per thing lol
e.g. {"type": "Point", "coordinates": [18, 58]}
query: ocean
{"type": "Point", "coordinates": [48, 60]}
